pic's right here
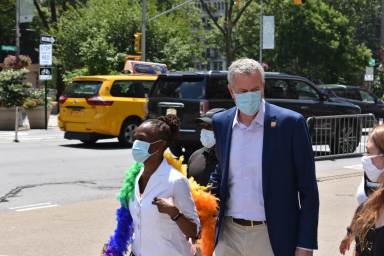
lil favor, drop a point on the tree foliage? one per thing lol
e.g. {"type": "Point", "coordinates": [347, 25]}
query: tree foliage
{"type": "Point", "coordinates": [313, 40]}
{"type": "Point", "coordinates": [95, 35]}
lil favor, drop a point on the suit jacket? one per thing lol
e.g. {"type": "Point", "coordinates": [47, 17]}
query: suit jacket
{"type": "Point", "coordinates": [291, 198]}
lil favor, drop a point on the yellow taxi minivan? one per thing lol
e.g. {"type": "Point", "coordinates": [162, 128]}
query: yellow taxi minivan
{"type": "Point", "coordinates": [105, 106]}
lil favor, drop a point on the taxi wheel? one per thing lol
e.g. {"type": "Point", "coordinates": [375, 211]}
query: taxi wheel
{"type": "Point", "coordinates": [126, 132]}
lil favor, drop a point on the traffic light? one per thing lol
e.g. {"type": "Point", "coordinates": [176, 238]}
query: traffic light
{"type": "Point", "coordinates": [238, 3]}
{"type": "Point", "coordinates": [298, 2]}
{"type": "Point", "coordinates": [137, 43]}
{"type": "Point", "coordinates": [372, 62]}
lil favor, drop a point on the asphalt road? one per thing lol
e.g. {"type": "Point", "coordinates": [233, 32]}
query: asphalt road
{"type": "Point", "coordinates": [57, 197]}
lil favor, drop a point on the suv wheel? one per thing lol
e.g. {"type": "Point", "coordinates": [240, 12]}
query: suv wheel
{"type": "Point", "coordinates": [347, 137]}
{"type": "Point", "coordinates": [126, 132]}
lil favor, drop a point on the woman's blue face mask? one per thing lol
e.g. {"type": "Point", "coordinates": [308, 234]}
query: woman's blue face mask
{"type": "Point", "coordinates": [140, 150]}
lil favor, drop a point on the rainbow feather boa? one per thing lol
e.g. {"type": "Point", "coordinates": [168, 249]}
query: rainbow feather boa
{"type": "Point", "coordinates": [206, 205]}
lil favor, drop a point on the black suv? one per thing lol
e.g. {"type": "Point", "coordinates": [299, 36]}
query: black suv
{"type": "Point", "coordinates": [192, 94]}
{"type": "Point", "coordinates": [367, 101]}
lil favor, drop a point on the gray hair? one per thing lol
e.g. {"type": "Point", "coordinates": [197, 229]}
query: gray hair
{"type": "Point", "coordinates": [244, 66]}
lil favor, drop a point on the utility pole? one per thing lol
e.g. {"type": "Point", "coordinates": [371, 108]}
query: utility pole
{"type": "Point", "coordinates": [17, 62]}
{"type": "Point", "coordinates": [382, 32]}
{"type": "Point", "coordinates": [143, 27]}
{"type": "Point", "coordinates": [17, 30]}
{"type": "Point", "coordinates": [261, 33]}
{"type": "Point", "coordinates": [144, 21]}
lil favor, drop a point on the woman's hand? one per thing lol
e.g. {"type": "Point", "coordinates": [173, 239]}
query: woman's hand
{"type": "Point", "coordinates": [165, 205]}
{"type": "Point", "coordinates": [345, 244]}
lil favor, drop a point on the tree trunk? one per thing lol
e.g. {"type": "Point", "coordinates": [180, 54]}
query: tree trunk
{"type": "Point", "coordinates": [64, 5]}
{"type": "Point", "coordinates": [52, 4]}
{"type": "Point", "coordinates": [41, 14]}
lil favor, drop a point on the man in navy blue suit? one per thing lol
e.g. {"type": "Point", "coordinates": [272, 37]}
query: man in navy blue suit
{"type": "Point", "coordinates": [265, 177]}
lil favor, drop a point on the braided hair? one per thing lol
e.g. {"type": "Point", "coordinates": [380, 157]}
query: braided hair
{"type": "Point", "coordinates": [167, 127]}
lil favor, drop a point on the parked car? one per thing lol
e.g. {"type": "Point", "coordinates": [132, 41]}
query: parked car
{"type": "Point", "coordinates": [192, 94]}
{"type": "Point", "coordinates": [100, 107]}
{"type": "Point", "coordinates": [367, 101]}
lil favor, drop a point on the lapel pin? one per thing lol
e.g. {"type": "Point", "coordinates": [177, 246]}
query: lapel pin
{"type": "Point", "coordinates": [273, 123]}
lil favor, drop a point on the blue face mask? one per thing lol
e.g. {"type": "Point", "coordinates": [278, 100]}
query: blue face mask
{"type": "Point", "coordinates": [248, 102]}
{"type": "Point", "coordinates": [140, 150]}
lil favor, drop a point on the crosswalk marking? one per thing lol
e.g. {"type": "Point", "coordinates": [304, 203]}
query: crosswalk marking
{"type": "Point", "coordinates": [36, 208]}
{"type": "Point", "coordinates": [31, 207]}
{"type": "Point", "coordinates": [354, 167]}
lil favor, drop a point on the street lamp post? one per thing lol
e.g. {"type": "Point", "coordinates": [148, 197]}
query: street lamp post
{"type": "Point", "coordinates": [143, 27]}
{"type": "Point", "coordinates": [261, 33]}
{"type": "Point", "coordinates": [16, 63]}
{"type": "Point", "coordinates": [144, 22]}
{"type": "Point", "coordinates": [17, 30]}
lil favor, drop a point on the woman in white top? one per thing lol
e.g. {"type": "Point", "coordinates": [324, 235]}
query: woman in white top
{"type": "Point", "coordinates": [163, 212]}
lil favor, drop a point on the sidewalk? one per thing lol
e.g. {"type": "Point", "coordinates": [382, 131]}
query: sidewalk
{"type": "Point", "coordinates": [25, 134]}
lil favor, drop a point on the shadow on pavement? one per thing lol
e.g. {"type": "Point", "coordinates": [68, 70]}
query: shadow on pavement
{"type": "Point", "coordinates": [97, 146]}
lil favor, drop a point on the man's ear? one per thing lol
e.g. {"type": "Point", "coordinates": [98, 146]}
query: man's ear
{"type": "Point", "coordinates": [229, 87]}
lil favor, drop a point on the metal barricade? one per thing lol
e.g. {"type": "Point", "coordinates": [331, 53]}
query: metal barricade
{"type": "Point", "coordinates": [340, 136]}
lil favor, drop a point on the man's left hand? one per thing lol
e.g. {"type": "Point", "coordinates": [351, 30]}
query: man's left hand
{"type": "Point", "coordinates": [302, 252]}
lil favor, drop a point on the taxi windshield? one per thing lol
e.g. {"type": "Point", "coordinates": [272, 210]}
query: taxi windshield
{"type": "Point", "coordinates": [82, 89]}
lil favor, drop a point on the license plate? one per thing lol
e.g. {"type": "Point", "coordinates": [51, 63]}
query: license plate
{"type": "Point", "coordinates": [171, 111]}
{"type": "Point", "coordinates": [75, 113]}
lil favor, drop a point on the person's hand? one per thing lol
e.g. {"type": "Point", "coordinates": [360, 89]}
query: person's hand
{"type": "Point", "coordinates": [345, 244]}
{"type": "Point", "coordinates": [381, 179]}
{"type": "Point", "coordinates": [165, 205]}
{"type": "Point", "coordinates": [302, 252]}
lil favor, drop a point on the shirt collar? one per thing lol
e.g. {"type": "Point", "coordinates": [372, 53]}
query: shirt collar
{"type": "Point", "coordinates": [259, 119]}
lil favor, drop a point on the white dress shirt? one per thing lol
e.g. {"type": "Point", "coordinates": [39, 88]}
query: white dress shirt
{"type": "Point", "coordinates": [246, 199]}
{"type": "Point", "coordinates": [154, 232]}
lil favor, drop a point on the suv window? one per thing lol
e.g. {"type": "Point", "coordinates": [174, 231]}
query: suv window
{"type": "Point", "coordinates": [136, 89]}
{"type": "Point", "coordinates": [340, 92]}
{"type": "Point", "coordinates": [276, 89]}
{"type": "Point", "coordinates": [182, 89]}
{"type": "Point", "coordinates": [303, 91]}
{"type": "Point", "coordinates": [218, 89]}
{"type": "Point", "coordinates": [348, 93]}
{"type": "Point", "coordinates": [82, 89]}
{"type": "Point", "coordinates": [366, 97]}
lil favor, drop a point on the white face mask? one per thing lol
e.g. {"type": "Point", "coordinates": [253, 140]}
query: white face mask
{"type": "Point", "coordinates": [207, 138]}
{"type": "Point", "coordinates": [372, 172]}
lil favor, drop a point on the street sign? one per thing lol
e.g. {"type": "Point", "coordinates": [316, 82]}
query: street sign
{"type": "Point", "coordinates": [372, 62]}
{"type": "Point", "coordinates": [45, 55]}
{"type": "Point", "coordinates": [369, 77]}
{"type": "Point", "coordinates": [26, 10]}
{"type": "Point", "coordinates": [44, 39]}
{"type": "Point", "coordinates": [9, 48]}
{"type": "Point", "coordinates": [45, 73]}
{"type": "Point", "coordinates": [268, 32]}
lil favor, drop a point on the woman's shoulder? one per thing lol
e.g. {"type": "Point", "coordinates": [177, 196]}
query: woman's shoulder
{"type": "Point", "coordinates": [176, 176]}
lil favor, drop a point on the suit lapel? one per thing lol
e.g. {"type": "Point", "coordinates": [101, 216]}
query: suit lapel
{"type": "Point", "coordinates": [270, 124]}
{"type": "Point", "coordinates": [227, 144]}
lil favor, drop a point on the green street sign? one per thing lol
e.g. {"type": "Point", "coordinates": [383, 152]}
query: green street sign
{"type": "Point", "coordinates": [9, 48]}
{"type": "Point", "coordinates": [372, 62]}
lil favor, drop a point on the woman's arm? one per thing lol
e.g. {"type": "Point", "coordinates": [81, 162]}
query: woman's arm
{"type": "Point", "coordinates": [186, 225]}
{"type": "Point", "coordinates": [380, 219]}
